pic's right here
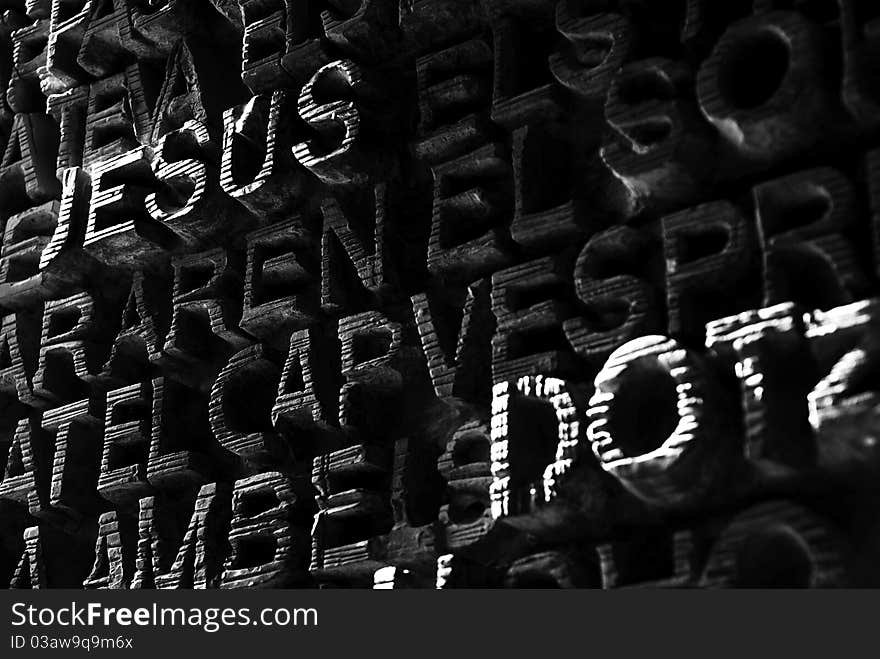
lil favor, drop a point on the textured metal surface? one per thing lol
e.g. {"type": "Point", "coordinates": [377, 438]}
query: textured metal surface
{"type": "Point", "coordinates": [439, 293]}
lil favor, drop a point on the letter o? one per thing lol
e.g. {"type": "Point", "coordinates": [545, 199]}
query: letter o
{"type": "Point", "coordinates": [657, 422]}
